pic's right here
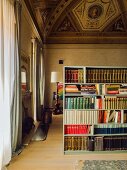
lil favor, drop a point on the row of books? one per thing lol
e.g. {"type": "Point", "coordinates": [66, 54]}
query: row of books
{"type": "Point", "coordinates": [116, 88]}
{"type": "Point", "coordinates": [110, 129]}
{"type": "Point", "coordinates": [96, 89]}
{"type": "Point", "coordinates": [77, 129]}
{"type": "Point", "coordinates": [75, 143]}
{"type": "Point", "coordinates": [96, 102]}
{"type": "Point", "coordinates": [91, 102]}
{"type": "Point", "coordinates": [111, 116]}
{"type": "Point", "coordinates": [88, 89]}
{"type": "Point", "coordinates": [97, 129]}
{"type": "Point", "coordinates": [72, 89]}
{"type": "Point", "coordinates": [81, 89]}
{"type": "Point", "coordinates": [112, 88]}
{"type": "Point", "coordinates": [96, 143]}
{"type": "Point", "coordinates": [94, 116]}
{"type": "Point", "coordinates": [81, 117]}
{"type": "Point", "coordinates": [74, 75]}
{"type": "Point", "coordinates": [106, 75]}
{"type": "Point", "coordinates": [113, 143]}
{"type": "Point", "coordinates": [115, 102]}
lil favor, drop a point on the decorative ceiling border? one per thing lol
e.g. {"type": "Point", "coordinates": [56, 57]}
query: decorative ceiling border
{"type": "Point", "coordinates": [105, 39]}
{"type": "Point", "coordinates": [96, 15]}
{"type": "Point", "coordinates": [27, 5]}
{"type": "Point", "coordinates": [56, 13]}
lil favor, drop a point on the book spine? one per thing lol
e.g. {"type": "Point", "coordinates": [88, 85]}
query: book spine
{"type": "Point", "coordinates": [75, 143]}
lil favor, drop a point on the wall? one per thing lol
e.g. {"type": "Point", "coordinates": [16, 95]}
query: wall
{"type": "Point", "coordinates": [28, 32]}
{"type": "Point", "coordinates": [83, 55]}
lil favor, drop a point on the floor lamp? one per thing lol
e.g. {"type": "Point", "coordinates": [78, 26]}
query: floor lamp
{"type": "Point", "coordinates": [55, 78]}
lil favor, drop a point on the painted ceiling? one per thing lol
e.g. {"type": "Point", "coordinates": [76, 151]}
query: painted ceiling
{"type": "Point", "coordinates": [80, 21]}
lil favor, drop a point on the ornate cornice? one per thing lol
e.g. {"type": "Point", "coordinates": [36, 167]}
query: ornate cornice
{"type": "Point", "coordinates": [82, 21]}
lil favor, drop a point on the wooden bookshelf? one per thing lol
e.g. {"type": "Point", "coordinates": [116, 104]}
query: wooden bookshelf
{"type": "Point", "coordinates": [95, 109]}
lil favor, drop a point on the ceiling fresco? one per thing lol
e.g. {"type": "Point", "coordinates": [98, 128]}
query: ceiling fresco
{"type": "Point", "coordinates": [96, 15]}
{"type": "Point", "coordinates": [81, 21]}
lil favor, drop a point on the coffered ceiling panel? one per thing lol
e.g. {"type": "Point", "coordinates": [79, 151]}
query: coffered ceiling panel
{"type": "Point", "coordinates": [81, 21]}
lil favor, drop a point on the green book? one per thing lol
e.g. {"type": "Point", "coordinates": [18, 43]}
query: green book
{"type": "Point", "coordinates": [78, 103]}
{"type": "Point", "coordinates": [75, 102]}
{"type": "Point", "coordinates": [81, 102]}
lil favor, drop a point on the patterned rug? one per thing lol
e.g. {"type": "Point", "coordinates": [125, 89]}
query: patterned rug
{"type": "Point", "coordinates": [101, 165]}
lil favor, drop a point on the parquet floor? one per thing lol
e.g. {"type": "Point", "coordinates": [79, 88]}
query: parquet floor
{"type": "Point", "coordinates": [48, 154]}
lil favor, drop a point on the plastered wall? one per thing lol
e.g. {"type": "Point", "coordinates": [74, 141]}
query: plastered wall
{"type": "Point", "coordinates": [28, 32]}
{"type": "Point", "coordinates": [83, 55]}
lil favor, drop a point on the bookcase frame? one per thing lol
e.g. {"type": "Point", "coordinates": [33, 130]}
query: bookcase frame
{"type": "Point", "coordinates": [117, 72]}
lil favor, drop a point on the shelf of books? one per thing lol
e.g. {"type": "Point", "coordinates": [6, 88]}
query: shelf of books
{"type": "Point", "coordinates": [95, 109]}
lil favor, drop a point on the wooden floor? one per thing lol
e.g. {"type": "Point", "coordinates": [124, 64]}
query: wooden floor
{"type": "Point", "coordinates": [48, 154]}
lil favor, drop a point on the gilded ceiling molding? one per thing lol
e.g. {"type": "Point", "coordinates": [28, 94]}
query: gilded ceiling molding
{"type": "Point", "coordinates": [95, 15]}
{"type": "Point", "coordinates": [103, 1]}
{"type": "Point", "coordinates": [82, 21]}
{"type": "Point", "coordinates": [82, 38]}
{"type": "Point", "coordinates": [65, 26]}
{"type": "Point", "coordinates": [44, 14]}
{"type": "Point", "coordinates": [28, 10]}
{"type": "Point", "coordinates": [123, 8]}
{"type": "Point", "coordinates": [55, 15]}
{"type": "Point", "coordinates": [118, 26]}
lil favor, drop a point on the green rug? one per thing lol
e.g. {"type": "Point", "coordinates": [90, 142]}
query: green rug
{"type": "Point", "coordinates": [101, 165]}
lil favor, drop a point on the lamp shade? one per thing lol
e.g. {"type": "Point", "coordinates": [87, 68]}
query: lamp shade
{"type": "Point", "coordinates": [55, 77]}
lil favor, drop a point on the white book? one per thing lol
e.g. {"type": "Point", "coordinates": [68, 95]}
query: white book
{"type": "Point", "coordinates": [83, 117]}
{"type": "Point", "coordinates": [85, 114]}
{"type": "Point", "coordinates": [71, 116]}
{"type": "Point", "coordinates": [108, 112]}
{"type": "Point", "coordinates": [78, 117]}
{"type": "Point", "coordinates": [116, 116]}
{"type": "Point", "coordinates": [122, 116]}
{"type": "Point", "coordinates": [96, 118]}
{"type": "Point", "coordinates": [74, 116]}
{"type": "Point", "coordinates": [92, 130]}
{"type": "Point", "coordinates": [67, 116]}
{"type": "Point", "coordinates": [89, 113]}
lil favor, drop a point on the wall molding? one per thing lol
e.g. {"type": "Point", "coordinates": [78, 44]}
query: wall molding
{"type": "Point", "coordinates": [29, 19]}
{"type": "Point", "coordinates": [85, 46]}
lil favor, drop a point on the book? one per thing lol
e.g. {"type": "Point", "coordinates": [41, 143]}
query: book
{"type": "Point", "coordinates": [88, 89]}
{"type": "Point", "coordinates": [91, 144]}
{"type": "Point", "coordinates": [112, 88]}
{"type": "Point", "coordinates": [72, 89]}
{"type": "Point", "coordinates": [98, 143]}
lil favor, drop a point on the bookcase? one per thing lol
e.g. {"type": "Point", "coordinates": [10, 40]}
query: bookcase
{"type": "Point", "coordinates": [94, 109]}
